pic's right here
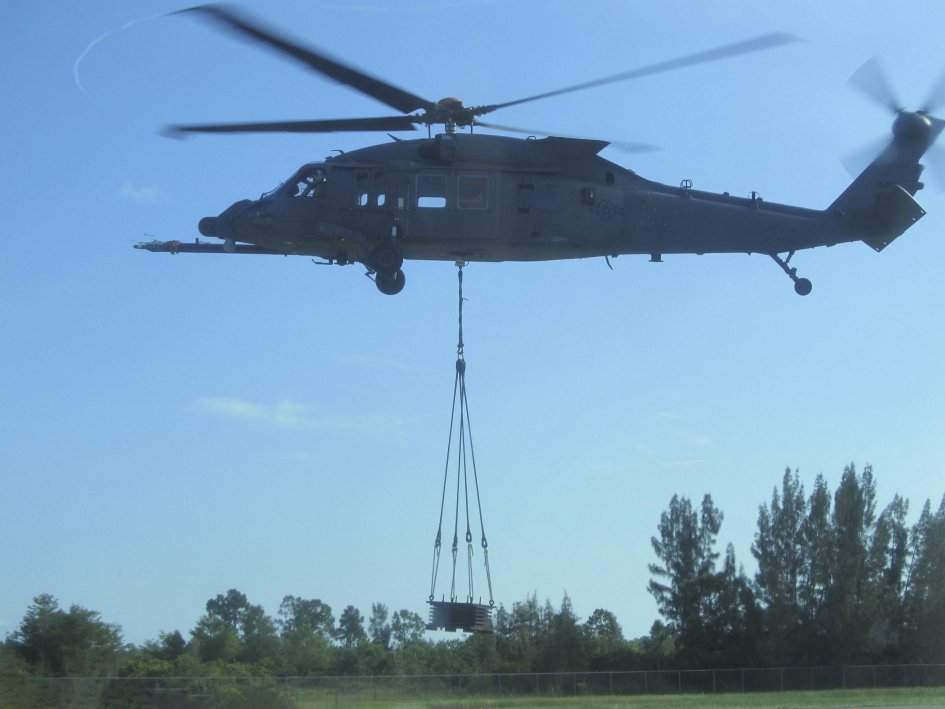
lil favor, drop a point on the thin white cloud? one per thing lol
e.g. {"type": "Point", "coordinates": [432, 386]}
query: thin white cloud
{"type": "Point", "coordinates": [374, 8]}
{"type": "Point", "coordinates": [139, 195]}
{"type": "Point", "coordinates": [609, 469]}
{"type": "Point", "coordinates": [287, 414]}
{"type": "Point", "coordinates": [370, 361]}
{"type": "Point", "coordinates": [696, 440]}
{"type": "Point", "coordinates": [681, 463]}
{"type": "Point", "coordinates": [295, 416]}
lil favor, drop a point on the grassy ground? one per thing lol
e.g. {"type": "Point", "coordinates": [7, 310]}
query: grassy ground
{"type": "Point", "coordinates": [919, 697]}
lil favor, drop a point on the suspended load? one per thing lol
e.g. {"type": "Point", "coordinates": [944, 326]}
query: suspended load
{"type": "Point", "coordinates": [455, 614]}
{"type": "Point", "coordinates": [468, 617]}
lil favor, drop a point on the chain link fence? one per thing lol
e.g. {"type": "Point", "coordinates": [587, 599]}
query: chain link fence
{"type": "Point", "coordinates": [317, 692]}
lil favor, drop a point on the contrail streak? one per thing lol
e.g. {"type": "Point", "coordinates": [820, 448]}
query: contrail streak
{"type": "Point", "coordinates": [75, 66]}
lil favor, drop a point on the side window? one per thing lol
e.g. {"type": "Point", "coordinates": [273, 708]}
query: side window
{"type": "Point", "coordinates": [400, 196]}
{"type": "Point", "coordinates": [380, 190]}
{"type": "Point", "coordinates": [394, 193]}
{"type": "Point", "coordinates": [431, 191]}
{"type": "Point", "coordinates": [361, 194]}
{"type": "Point", "coordinates": [472, 192]}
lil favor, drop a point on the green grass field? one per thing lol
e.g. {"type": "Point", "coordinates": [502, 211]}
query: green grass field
{"type": "Point", "coordinates": [778, 700]}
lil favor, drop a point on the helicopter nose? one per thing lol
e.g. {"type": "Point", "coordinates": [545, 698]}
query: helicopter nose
{"type": "Point", "coordinates": [207, 226]}
{"type": "Point", "coordinates": [227, 224]}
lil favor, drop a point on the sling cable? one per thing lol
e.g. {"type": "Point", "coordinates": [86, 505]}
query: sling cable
{"type": "Point", "coordinates": [453, 614]}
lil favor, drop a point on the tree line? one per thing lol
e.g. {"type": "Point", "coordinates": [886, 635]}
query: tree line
{"type": "Point", "coordinates": [836, 583]}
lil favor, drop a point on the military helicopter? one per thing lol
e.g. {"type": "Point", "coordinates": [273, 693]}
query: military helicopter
{"type": "Point", "coordinates": [467, 197]}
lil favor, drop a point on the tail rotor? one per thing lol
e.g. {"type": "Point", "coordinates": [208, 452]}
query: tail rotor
{"type": "Point", "coordinates": [914, 132]}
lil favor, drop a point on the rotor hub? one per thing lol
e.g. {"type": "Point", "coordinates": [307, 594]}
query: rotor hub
{"type": "Point", "coordinates": [451, 112]}
{"type": "Point", "coordinates": [912, 126]}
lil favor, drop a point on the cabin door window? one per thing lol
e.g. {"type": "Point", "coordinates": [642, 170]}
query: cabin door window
{"type": "Point", "coordinates": [431, 191]}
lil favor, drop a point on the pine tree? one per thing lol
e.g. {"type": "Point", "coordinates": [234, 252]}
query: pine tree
{"type": "Point", "coordinates": [925, 588]}
{"type": "Point", "coordinates": [847, 620]}
{"type": "Point", "coordinates": [886, 564]}
{"type": "Point", "coordinates": [779, 549]}
{"type": "Point", "coordinates": [685, 547]}
{"type": "Point", "coordinates": [818, 562]}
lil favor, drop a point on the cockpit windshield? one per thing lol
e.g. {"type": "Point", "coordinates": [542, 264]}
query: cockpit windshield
{"type": "Point", "coordinates": [307, 182]}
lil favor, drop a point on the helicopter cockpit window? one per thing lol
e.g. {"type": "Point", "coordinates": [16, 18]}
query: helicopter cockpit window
{"type": "Point", "coordinates": [308, 183]}
{"type": "Point", "coordinates": [431, 191]}
{"type": "Point", "coordinates": [472, 192]}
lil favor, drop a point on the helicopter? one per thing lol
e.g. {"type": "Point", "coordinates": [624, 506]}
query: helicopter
{"type": "Point", "coordinates": [467, 197]}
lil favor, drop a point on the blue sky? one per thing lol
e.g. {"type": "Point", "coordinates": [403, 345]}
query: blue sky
{"type": "Point", "coordinates": [173, 427]}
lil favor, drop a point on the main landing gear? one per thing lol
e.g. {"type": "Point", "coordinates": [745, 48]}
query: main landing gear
{"type": "Point", "coordinates": [385, 265]}
{"type": "Point", "coordinates": [802, 286]}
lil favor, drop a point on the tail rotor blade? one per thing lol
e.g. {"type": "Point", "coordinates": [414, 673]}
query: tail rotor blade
{"type": "Point", "coordinates": [870, 79]}
{"type": "Point", "coordinates": [857, 161]}
{"type": "Point", "coordinates": [936, 99]}
{"type": "Point", "coordinates": [935, 158]}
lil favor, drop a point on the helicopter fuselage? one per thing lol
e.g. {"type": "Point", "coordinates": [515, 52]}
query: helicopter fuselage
{"type": "Point", "coordinates": [473, 197]}
{"type": "Point", "coordinates": [490, 198]}
{"type": "Point", "coordinates": [468, 197]}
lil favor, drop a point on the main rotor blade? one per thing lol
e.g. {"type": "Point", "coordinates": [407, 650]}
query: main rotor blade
{"type": "Point", "coordinates": [871, 80]}
{"type": "Point", "coordinates": [624, 146]}
{"type": "Point", "coordinates": [375, 88]}
{"type": "Point", "coordinates": [390, 123]}
{"type": "Point", "coordinates": [755, 44]}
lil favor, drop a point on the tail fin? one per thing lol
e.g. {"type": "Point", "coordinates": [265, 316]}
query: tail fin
{"type": "Point", "coordinates": [880, 201]}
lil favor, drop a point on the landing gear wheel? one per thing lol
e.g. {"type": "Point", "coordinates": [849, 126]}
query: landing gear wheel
{"type": "Point", "coordinates": [387, 258]}
{"type": "Point", "coordinates": [802, 286]}
{"type": "Point", "coordinates": [390, 283]}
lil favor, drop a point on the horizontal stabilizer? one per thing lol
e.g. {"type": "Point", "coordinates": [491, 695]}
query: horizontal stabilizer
{"type": "Point", "coordinates": [895, 210]}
